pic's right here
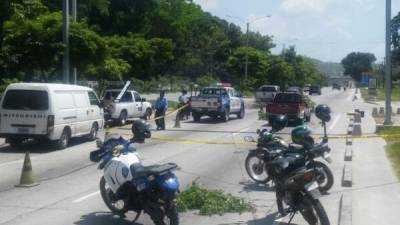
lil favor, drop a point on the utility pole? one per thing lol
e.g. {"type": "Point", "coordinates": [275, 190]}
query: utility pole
{"type": "Point", "coordinates": [66, 41]}
{"type": "Point", "coordinates": [388, 65]}
{"type": "Point", "coordinates": [246, 68]}
{"type": "Point", "coordinates": [74, 16]}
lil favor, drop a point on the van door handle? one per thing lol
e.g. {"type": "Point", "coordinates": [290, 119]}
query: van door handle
{"type": "Point", "coordinates": [87, 112]}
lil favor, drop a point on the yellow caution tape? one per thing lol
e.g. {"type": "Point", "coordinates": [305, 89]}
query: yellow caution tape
{"type": "Point", "coordinates": [167, 114]}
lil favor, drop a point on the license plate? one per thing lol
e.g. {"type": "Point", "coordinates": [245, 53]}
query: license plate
{"type": "Point", "coordinates": [313, 189]}
{"type": "Point", "coordinates": [23, 130]}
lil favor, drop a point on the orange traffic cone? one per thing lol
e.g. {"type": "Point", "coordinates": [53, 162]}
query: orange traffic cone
{"type": "Point", "coordinates": [27, 177]}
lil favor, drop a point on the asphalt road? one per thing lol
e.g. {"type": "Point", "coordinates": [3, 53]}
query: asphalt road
{"type": "Point", "coordinates": [68, 190]}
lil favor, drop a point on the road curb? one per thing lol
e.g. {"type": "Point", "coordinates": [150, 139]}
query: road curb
{"type": "Point", "coordinates": [348, 153]}
{"type": "Point", "coordinates": [347, 180]}
{"type": "Point", "coordinates": [345, 209]}
{"type": "Point", "coordinates": [349, 140]}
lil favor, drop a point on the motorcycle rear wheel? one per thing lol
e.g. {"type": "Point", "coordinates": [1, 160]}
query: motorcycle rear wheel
{"type": "Point", "coordinates": [324, 176]}
{"type": "Point", "coordinates": [164, 215]}
{"type": "Point", "coordinates": [313, 212]}
{"type": "Point", "coordinates": [256, 171]}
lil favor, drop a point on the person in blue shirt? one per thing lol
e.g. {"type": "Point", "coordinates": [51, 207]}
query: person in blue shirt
{"type": "Point", "coordinates": [161, 107]}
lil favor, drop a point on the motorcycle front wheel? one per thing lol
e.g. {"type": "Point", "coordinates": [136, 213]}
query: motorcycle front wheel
{"type": "Point", "coordinates": [117, 206]}
{"type": "Point", "coordinates": [255, 168]}
{"type": "Point", "coordinates": [313, 212]}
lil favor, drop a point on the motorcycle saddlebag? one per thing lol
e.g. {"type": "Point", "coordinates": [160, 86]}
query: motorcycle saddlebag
{"type": "Point", "coordinates": [95, 156]}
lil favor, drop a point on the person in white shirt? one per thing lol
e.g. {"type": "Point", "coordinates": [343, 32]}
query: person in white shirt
{"type": "Point", "coordinates": [184, 100]}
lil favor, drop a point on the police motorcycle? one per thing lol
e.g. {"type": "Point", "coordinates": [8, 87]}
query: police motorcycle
{"type": "Point", "coordinates": [270, 146]}
{"type": "Point", "coordinates": [127, 185]}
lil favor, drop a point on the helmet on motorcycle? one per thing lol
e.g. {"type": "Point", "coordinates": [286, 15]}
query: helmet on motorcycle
{"type": "Point", "coordinates": [279, 122]}
{"type": "Point", "coordinates": [264, 138]}
{"type": "Point", "coordinates": [323, 112]}
{"type": "Point", "coordinates": [141, 130]}
{"type": "Point", "coordinates": [302, 135]}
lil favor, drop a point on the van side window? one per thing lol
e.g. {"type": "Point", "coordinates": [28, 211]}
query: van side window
{"type": "Point", "coordinates": [137, 97]}
{"type": "Point", "coordinates": [93, 98]}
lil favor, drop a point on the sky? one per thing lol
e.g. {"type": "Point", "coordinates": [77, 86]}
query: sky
{"type": "Point", "coordinates": [323, 29]}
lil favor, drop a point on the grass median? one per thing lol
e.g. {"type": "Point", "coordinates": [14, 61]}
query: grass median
{"type": "Point", "coordinates": [380, 94]}
{"type": "Point", "coordinates": [393, 146]}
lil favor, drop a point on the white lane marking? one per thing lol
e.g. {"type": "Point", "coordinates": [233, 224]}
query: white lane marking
{"type": "Point", "coordinates": [15, 162]}
{"type": "Point", "coordinates": [86, 197]}
{"type": "Point", "coordinates": [335, 121]}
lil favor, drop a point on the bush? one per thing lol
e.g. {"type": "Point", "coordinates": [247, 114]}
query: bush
{"type": "Point", "coordinates": [211, 202]}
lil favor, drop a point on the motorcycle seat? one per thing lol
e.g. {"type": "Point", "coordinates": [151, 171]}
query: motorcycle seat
{"type": "Point", "coordinates": [145, 171]}
{"type": "Point", "coordinates": [295, 147]}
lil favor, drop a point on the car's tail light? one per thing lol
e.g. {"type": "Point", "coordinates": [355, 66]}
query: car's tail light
{"type": "Point", "coordinates": [50, 124]}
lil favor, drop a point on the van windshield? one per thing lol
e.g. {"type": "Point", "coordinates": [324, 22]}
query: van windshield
{"type": "Point", "coordinates": [26, 100]}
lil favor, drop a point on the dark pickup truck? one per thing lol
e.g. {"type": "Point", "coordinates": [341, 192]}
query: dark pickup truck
{"type": "Point", "coordinates": [293, 105]}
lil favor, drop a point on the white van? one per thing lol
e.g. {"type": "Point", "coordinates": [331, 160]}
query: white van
{"type": "Point", "coordinates": [55, 112]}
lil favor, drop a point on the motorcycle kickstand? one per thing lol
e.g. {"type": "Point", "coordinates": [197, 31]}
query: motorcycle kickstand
{"type": "Point", "coordinates": [291, 217]}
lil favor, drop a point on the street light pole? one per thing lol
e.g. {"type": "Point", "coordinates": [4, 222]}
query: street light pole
{"type": "Point", "coordinates": [66, 41]}
{"type": "Point", "coordinates": [388, 65]}
{"type": "Point", "coordinates": [246, 68]}
{"type": "Point", "coordinates": [74, 16]}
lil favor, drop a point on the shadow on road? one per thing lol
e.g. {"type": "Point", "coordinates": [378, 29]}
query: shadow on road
{"type": "Point", "coordinates": [252, 186]}
{"type": "Point", "coordinates": [269, 220]}
{"type": "Point", "coordinates": [39, 146]}
{"type": "Point", "coordinates": [103, 218]}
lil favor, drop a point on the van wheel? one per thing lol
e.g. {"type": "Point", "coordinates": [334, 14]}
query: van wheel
{"type": "Point", "coordinates": [93, 132]}
{"type": "Point", "coordinates": [63, 142]}
{"type": "Point", "coordinates": [122, 118]}
{"type": "Point", "coordinates": [14, 142]}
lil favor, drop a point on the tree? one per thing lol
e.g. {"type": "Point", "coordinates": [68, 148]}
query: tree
{"type": "Point", "coordinates": [356, 63]}
{"type": "Point", "coordinates": [280, 72]}
{"type": "Point", "coordinates": [396, 39]}
{"type": "Point", "coordinates": [257, 69]}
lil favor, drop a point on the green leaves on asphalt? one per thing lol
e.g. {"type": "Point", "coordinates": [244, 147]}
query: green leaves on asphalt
{"type": "Point", "coordinates": [211, 202]}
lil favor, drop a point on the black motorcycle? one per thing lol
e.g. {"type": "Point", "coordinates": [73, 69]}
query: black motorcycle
{"type": "Point", "coordinates": [270, 146]}
{"type": "Point", "coordinates": [296, 188]}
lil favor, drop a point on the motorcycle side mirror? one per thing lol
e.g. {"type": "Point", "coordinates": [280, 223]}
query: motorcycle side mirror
{"type": "Point", "coordinates": [249, 139]}
{"type": "Point", "coordinates": [258, 131]}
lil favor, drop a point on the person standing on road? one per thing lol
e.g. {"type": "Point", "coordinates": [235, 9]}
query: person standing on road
{"type": "Point", "coordinates": [161, 107]}
{"type": "Point", "coordinates": [183, 100]}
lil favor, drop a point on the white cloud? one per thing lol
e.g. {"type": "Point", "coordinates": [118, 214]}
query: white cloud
{"type": "Point", "coordinates": [208, 4]}
{"type": "Point", "coordinates": [300, 6]}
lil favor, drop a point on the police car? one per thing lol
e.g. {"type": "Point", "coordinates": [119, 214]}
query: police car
{"type": "Point", "coordinates": [217, 100]}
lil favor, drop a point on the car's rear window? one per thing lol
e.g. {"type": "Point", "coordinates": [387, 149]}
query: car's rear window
{"type": "Point", "coordinates": [287, 98]}
{"type": "Point", "coordinates": [268, 89]}
{"type": "Point", "coordinates": [26, 100]}
{"type": "Point", "coordinates": [213, 91]}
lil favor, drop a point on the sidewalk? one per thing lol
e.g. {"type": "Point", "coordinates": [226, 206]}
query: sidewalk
{"type": "Point", "coordinates": [376, 190]}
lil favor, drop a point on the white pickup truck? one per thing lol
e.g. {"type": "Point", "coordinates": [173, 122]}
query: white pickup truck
{"type": "Point", "coordinates": [266, 93]}
{"type": "Point", "coordinates": [217, 101]}
{"type": "Point", "coordinates": [131, 105]}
